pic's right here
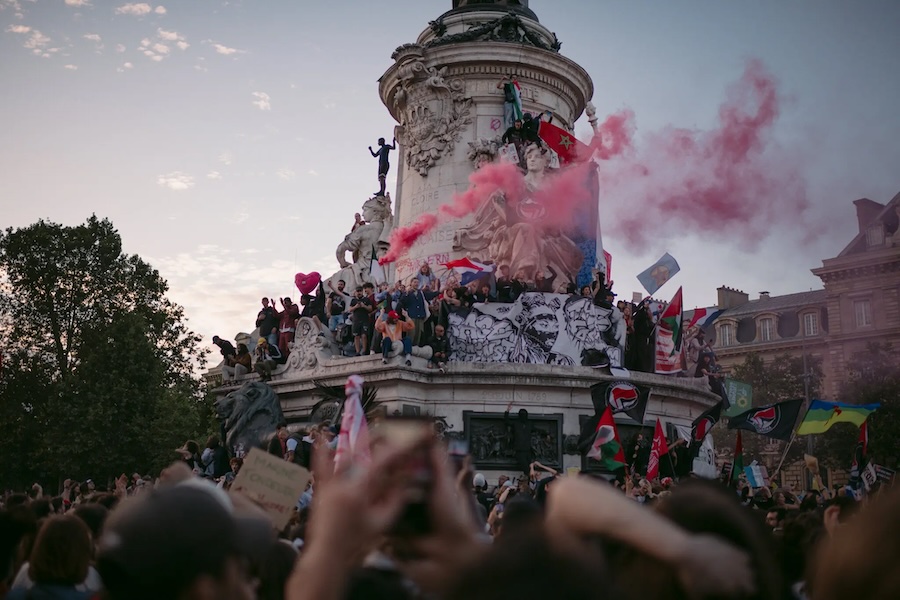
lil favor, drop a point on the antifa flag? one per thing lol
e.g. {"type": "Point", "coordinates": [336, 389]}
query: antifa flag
{"type": "Point", "coordinates": [775, 420]}
{"type": "Point", "coordinates": [621, 397]}
{"type": "Point", "coordinates": [702, 424]}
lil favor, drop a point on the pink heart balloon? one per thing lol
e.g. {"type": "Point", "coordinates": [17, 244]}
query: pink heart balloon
{"type": "Point", "coordinates": [307, 284]}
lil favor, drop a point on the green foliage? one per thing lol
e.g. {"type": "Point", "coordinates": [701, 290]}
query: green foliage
{"type": "Point", "coordinates": [99, 374]}
{"type": "Point", "coordinates": [873, 377]}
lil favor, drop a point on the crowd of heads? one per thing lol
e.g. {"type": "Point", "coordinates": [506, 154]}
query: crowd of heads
{"type": "Point", "coordinates": [418, 521]}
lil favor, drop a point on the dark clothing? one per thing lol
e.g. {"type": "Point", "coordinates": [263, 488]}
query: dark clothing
{"type": "Point", "coordinates": [414, 302]}
{"type": "Point", "coordinates": [503, 290]}
{"type": "Point", "coordinates": [382, 154]}
{"type": "Point", "coordinates": [267, 320]}
{"type": "Point", "coordinates": [516, 289]}
{"type": "Point", "coordinates": [521, 438]}
{"type": "Point", "coordinates": [227, 348]}
{"type": "Point", "coordinates": [338, 305]}
{"type": "Point", "coordinates": [440, 347]}
{"type": "Point", "coordinates": [508, 94]}
{"type": "Point", "coordinates": [275, 448]}
{"type": "Point", "coordinates": [515, 136]}
{"type": "Point", "coordinates": [545, 285]}
{"type": "Point", "coordinates": [219, 462]}
{"type": "Point", "coordinates": [359, 308]}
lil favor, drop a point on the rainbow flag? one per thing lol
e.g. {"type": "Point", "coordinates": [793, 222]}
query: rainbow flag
{"type": "Point", "coordinates": [822, 415]}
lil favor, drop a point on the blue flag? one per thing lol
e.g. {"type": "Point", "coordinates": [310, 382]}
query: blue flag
{"type": "Point", "coordinates": [659, 273]}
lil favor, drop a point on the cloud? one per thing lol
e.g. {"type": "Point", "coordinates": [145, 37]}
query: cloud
{"type": "Point", "coordinates": [169, 36]}
{"type": "Point", "coordinates": [226, 158]}
{"type": "Point", "coordinates": [176, 181]}
{"type": "Point", "coordinates": [18, 29]}
{"type": "Point", "coordinates": [182, 45]}
{"type": "Point", "coordinates": [125, 67]}
{"type": "Point", "coordinates": [36, 40]}
{"type": "Point", "coordinates": [145, 42]}
{"type": "Point", "coordinates": [161, 48]}
{"type": "Point", "coordinates": [94, 37]}
{"type": "Point", "coordinates": [262, 101]}
{"type": "Point", "coordinates": [160, 10]}
{"type": "Point", "coordinates": [214, 175]}
{"type": "Point", "coordinates": [77, 3]}
{"type": "Point", "coordinates": [285, 174]}
{"type": "Point", "coordinates": [120, 47]}
{"type": "Point", "coordinates": [313, 172]}
{"type": "Point", "coordinates": [225, 50]}
{"type": "Point", "coordinates": [135, 10]}
{"type": "Point", "coordinates": [71, 67]}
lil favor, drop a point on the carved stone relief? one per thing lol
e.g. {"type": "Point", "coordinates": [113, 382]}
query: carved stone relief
{"type": "Point", "coordinates": [433, 109]}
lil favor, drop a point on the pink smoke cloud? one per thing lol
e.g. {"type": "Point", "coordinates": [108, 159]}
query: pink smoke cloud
{"type": "Point", "coordinates": [732, 181]}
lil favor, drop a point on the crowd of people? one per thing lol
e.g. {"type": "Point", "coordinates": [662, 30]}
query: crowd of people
{"type": "Point", "coordinates": [417, 522]}
{"type": "Point", "coordinates": [415, 313]}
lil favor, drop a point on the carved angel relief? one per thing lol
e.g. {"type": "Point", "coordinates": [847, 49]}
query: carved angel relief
{"type": "Point", "coordinates": [433, 110]}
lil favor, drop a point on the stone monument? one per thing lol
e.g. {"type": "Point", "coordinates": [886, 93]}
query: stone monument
{"type": "Point", "coordinates": [442, 91]}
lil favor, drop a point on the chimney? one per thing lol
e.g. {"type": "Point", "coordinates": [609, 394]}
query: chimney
{"type": "Point", "coordinates": [729, 298]}
{"type": "Point", "coordinates": [764, 295]}
{"type": "Point", "coordinates": [866, 211]}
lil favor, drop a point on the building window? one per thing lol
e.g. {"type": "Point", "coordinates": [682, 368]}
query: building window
{"type": "Point", "coordinates": [875, 236]}
{"type": "Point", "coordinates": [726, 334]}
{"type": "Point", "coordinates": [810, 324]}
{"type": "Point", "coordinates": [766, 329]}
{"type": "Point", "coordinates": [863, 310]}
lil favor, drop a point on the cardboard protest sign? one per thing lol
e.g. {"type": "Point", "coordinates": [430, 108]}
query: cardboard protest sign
{"type": "Point", "coordinates": [273, 483]}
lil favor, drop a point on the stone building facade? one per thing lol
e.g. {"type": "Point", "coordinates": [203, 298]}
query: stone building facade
{"type": "Point", "coordinates": [859, 304]}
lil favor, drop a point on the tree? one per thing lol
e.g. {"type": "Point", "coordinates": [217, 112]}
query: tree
{"type": "Point", "coordinates": [779, 380]}
{"type": "Point", "coordinates": [872, 377]}
{"type": "Point", "coordinates": [99, 375]}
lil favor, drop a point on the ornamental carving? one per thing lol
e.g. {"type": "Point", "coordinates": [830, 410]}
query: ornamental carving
{"type": "Point", "coordinates": [509, 28]}
{"type": "Point", "coordinates": [432, 109]}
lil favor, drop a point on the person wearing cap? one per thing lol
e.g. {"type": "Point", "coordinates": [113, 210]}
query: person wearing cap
{"type": "Point", "coordinates": [268, 357]}
{"type": "Point", "coordinates": [185, 541]}
{"type": "Point", "coordinates": [392, 331]}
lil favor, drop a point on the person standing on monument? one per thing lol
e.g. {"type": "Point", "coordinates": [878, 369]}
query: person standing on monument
{"type": "Point", "coordinates": [511, 107]}
{"type": "Point", "coordinates": [287, 324]}
{"type": "Point", "coordinates": [521, 437]}
{"type": "Point", "coordinates": [415, 303]}
{"type": "Point", "coordinates": [383, 164]}
{"type": "Point", "coordinates": [267, 321]}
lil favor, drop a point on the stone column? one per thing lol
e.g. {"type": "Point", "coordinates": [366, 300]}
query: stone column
{"type": "Point", "coordinates": [442, 91]}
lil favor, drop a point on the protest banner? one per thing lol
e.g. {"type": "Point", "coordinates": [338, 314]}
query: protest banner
{"type": "Point", "coordinates": [273, 483]}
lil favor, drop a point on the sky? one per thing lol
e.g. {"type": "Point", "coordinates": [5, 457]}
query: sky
{"type": "Point", "coordinates": [227, 141]}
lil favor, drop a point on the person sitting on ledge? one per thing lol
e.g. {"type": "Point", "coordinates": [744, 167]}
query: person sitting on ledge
{"type": "Point", "coordinates": [236, 366]}
{"type": "Point", "coordinates": [268, 357]}
{"type": "Point", "coordinates": [392, 330]}
{"type": "Point", "coordinates": [440, 349]}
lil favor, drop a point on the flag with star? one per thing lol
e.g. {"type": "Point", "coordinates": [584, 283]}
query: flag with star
{"type": "Point", "coordinates": [563, 142]}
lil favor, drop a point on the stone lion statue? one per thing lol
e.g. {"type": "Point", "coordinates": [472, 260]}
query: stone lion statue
{"type": "Point", "coordinates": [249, 415]}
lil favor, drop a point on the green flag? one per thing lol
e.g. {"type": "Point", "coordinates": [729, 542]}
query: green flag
{"type": "Point", "coordinates": [740, 395]}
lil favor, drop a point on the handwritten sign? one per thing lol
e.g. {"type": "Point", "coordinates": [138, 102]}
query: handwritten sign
{"type": "Point", "coordinates": [273, 483]}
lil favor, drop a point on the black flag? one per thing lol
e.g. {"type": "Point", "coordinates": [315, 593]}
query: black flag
{"type": "Point", "coordinates": [775, 420]}
{"type": "Point", "coordinates": [621, 397]}
{"type": "Point", "coordinates": [702, 424]}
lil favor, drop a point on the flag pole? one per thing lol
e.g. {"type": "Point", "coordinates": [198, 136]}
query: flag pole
{"type": "Point", "coordinates": [783, 456]}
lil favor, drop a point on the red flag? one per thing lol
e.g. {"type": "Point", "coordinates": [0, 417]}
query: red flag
{"type": "Point", "coordinates": [659, 448]}
{"type": "Point", "coordinates": [563, 143]}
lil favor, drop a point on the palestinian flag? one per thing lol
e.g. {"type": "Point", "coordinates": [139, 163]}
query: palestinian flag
{"type": "Point", "coordinates": [737, 465]}
{"type": "Point", "coordinates": [606, 448]}
{"type": "Point", "coordinates": [822, 415]}
{"type": "Point", "coordinates": [672, 319]}
{"type": "Point", "coordinates": [563, 142]}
